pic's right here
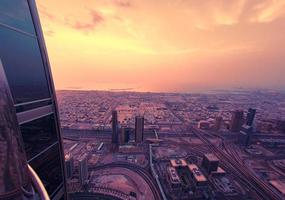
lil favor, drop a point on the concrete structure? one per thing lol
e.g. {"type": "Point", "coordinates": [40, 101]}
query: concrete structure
{"type": "Point", "coordinates": [245, 135]}
{"type": "Point", "coordinates": [115, 139]}
{"type": "Point", "coordinates": [210, 163]}
{"type": "Point", "coordinates": [173, 178]}
{"type": "Point", "coordinates": [236, 121]}
{"type": "Point", "coordinates": [139, 129]}
{"type": "Point", "coordinates": [218, 122]}
{"type": "Point", "coordinates": [197, 176]}
{"type": "Point", "coordinates": [83, 169]}
{"type": "Point", "coordinates": [250, 116]}
{"type": "Point", "coordinates": [69, 164]}
{"type": "Point", "coordinates": [204, 124]}
{"type": "Point", "coordinates": [178, 163]}
{"type": "Point", "coordinates": [122, 135]}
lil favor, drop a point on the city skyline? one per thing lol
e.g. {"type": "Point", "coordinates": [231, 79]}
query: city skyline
{"type": "Point", "coordinates": [169, 46]}
{"type": "Point", "coordinates": [130, 118]}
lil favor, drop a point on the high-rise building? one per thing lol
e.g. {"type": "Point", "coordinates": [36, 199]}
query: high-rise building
{"type": "Point", "coordinates": [69, 163]}
{"type": "Point", "coordinates": [210, 163]}
{"type": "Point", "coordinates": [115, 138]}
{"type": "Point", "coordinates": [245, 135]}
{"type": "Point", "coordinates": [218, 122]}
{"type": "Point", "coordinates": [139, 129]}
{"type": "Point", "coordinates": [236, 120]}
{"type": "Point", "coordinates": [250, 116]}
{"type": "Point", "coordinates": [83, 169]}
{"type": "Point", "coordinates": [24, 58]}
{"type": "Point", "coordinates": [122, 135]}
{"type": "Point", "coordinates": [127, 134]}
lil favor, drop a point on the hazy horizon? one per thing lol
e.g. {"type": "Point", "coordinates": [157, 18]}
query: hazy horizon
{"type": "Point", "coordinates": [165, 46]}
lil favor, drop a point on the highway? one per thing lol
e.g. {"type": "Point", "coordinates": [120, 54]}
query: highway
{"type": "Point", "coordinates": [233, 163]}
{"type": "Point", "coordinates": [141, 171]}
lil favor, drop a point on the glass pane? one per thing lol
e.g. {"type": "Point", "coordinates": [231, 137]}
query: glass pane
{"type": "Point", "coordinates": [38, 135]}
{"type": "Point", "coordinates": [48, 167]}
{"type": "Point", "coordinates": [16, 13]}
{"type": "Point", "coordinates": [22, 108]}
{"type": "Point", "coordinates": [23, 65]}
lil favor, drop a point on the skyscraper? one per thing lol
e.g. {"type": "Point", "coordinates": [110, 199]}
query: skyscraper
{"type": "Point", "coordinates": [115, 138]}
{"type": "Point", "coordinates": [69, 163]}
{"type": "Point", "coordinates": [127, 134]}
{"type": "Point", "coordinates": [25, 61]}
{"type": "Point", "coordinates": [83, 169]}
{"type": "Point", "coordinates": [139, 129]}
{"type": "Point", "coordinates": [122, 135]}
{"type": "Point", "coordinates": [236, 120]}
{"type": "Point", "coordinates": [218, 122]}
{"type": "Point", "coordinates": [250, 116]}
{"type": "Point", "coordinates": [245, 135]}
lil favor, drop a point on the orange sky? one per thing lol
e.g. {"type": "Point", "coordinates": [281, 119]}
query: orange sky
{"type": "Point", "coordinates": [165, 45]}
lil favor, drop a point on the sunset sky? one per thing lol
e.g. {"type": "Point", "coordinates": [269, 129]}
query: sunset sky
{"type": "Point", "coordinates": [165, 45]}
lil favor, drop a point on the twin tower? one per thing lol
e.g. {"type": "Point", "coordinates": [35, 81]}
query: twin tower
{"type": "Point", "coordinates": [121, 135]}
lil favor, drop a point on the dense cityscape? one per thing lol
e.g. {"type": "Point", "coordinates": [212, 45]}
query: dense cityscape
{"type": "Point", "coordinates": [215, 145]}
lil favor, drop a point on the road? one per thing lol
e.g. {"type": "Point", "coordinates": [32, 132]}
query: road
{"type": "Point", "coordinates": [234, 165]}
{"type": "Point", "coordinates": [141, 171]}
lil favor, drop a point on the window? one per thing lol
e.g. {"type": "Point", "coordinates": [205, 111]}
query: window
{"type": "Point", "coordinates": [16, 14]}
{"type": "Point", "coordinates": [39, 135]}
{"type": "Point", "coordinates": [49, 169]}
{"type": "Point", "coordinates": [21, 58]}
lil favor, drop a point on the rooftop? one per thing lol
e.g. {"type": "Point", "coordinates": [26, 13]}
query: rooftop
{"type": "Point", "coordinates": [198, 175]}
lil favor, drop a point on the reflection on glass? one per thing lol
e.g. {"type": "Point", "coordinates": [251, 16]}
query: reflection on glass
{"type": "Point", "coordinates": [21, 58]}
{"type": "Point", "coordinates": [38, 135]}
{"type": "Point", "coordinates": [48, 167]}
{"type": "Point", "coordinates": [29, 106]}
{"type": "Point", "coordinates": [16, 14]}
{"type": "Point", "coordinates": [13, 163]}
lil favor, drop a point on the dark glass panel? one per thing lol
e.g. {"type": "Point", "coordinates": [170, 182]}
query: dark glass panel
{"type": "Point", "coordinates": [21, 59]}
{"type": "Point", "coordinates": [48, 167]}
{"type": "Point", "coordinates": [22, 108]}
{"type": "Point", "coordinates": [38, 135]}
{"type": "Point", "coordinates": [16, 14]}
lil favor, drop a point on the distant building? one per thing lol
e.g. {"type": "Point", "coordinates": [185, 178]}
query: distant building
{"type": "Point", "coordinates": [115, 139]}
{"type": "Point", "coordinates": [69, 163]}
{"type": "Point", "coordinates": [250, 116]}
{"type": "Point", "coordinates": [236, 120]}
{"type": "Point", "coordinates": [210, 163]}
{"type": "Point", "coordinates": [122, 135]}
{"type": "Point", "coordinates": [245, 135]}
{"type": "Point", "coordinates": [218, 122]}
{"type": "Point", "coordinates": [197, 176]}
{"type": "Point", "coordinates": [178, 163]}
{"type": "Point", "coordinates": [83, 169]}
{"type": "Point", "coordinates": [174, 179]}
{"type": "Point", "coordinates": [139, 129]}
{"type": "Point", "coordinates": [127, 134]}
{"type": "Point", "coordinates": [204, 124]}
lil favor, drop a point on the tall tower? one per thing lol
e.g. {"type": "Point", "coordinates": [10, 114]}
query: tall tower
{"type": "Point", "coordinates": [250, 116]}
{"type": "Point", "coordinates": [24, 58]}
{"type": "Point", "coordinates": [218, 122]}
{"type": "Point", "coordinates": [139, 129]}
{"type": "Point", "coordinates": [122, 136]}
{"type": "Point", "coordinates": [236, 120]}
{"type": "Point", "coordinates": [115, 138]}
{"type": "Point", "coordinates": [69, 163]}
{"type": "Point", "coordinates": [83, 169]}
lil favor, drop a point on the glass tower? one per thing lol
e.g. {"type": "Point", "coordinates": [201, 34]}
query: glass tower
{"type": "Point", "coordinates": [24, 58]}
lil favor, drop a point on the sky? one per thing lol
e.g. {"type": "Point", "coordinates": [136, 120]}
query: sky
{"type": "Point", "coordinates": [165, 45]}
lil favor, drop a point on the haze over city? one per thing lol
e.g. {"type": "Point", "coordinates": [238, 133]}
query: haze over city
{"type": "Point", "coordinates": [153, 100]}
{"type": "Point", "coordinates": [169, 45]}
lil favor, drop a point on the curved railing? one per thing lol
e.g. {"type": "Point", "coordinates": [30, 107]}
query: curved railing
{"type": "Point", "coordinates": [38, 184]}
